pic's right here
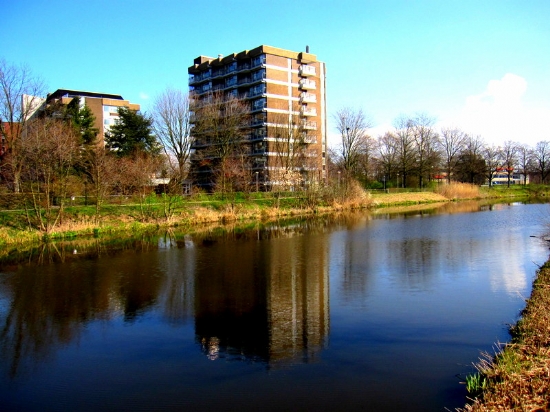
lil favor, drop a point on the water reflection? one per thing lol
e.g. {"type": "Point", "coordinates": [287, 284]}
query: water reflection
{"type": "Point", "coordinates": [155, 322]}
{"type": "Point", "coordinates": [268, 304]}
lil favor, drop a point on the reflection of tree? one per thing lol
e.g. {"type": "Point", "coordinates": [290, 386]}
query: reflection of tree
{"type": "Point", "coordinates": [50, 303]}
{"type": "Point", "coordinates": [268, 302]}
{"type": "Point", "coordinates": [49, 310]}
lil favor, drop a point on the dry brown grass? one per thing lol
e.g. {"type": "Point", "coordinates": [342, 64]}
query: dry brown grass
{"type": "Point", "coordinates": [518, 379]}
{"type": "Point", "coordinates": [407, 198]}
{"type": "Point", "coordinates": [459, 191]}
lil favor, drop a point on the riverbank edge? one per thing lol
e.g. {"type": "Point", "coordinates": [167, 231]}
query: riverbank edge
{"type": "Point", "coordinates": [518, 377]}
{"type": "Point", "coordinates": [195, 216]}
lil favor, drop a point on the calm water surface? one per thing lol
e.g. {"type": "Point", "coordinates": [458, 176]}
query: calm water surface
{"type": "Point", "coordinates": [383, 312]}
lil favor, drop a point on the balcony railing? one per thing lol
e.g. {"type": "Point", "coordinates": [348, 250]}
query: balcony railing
{"type": "Point", "coordinates": [307, 84]}
{"type": "Point", "coordinates": [245, 66]}
{"type": "Point", "coordinates": [309, 111]}
{"type": "Point", "coordinates": [256, 92]}
{"type": "Point", "coordinates": [258, 61]}
{"type": "Point", "coordinates": [309, 125]}
{"type": "Point", "coordinates": [257, 121]}
{"type": "Point", "coordinates": [308, 97]}
{"type": "Point", "coordinates": [245, 80]}
{"type": "Point", "coordinates": [306, 70]}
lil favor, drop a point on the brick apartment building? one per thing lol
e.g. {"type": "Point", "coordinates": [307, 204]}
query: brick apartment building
{"type": "Point", "coordinates": [284, 92]}
{"type": "Point", "coordinates": [104, 106]}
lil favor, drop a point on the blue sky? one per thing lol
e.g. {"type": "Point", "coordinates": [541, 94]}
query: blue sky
{"type": "Point", "coordinates": [483, 66]}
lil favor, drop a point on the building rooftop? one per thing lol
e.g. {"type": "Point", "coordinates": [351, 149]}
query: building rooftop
{"type": "Point", "coordinates": [59, 93]}
{"type": "Point", "coordinates": [202, 61]}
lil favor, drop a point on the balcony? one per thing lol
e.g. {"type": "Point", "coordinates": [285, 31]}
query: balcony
{"type": "Point", "coordinates": [231, 82]}
{"type": "Point", "coordinates": [306, 84]}
{"type": "Point", "coordinates": [258, 76]}
{"type": "Point", "coordinates": [309, 125]}
{"type": "Point", "coordinates": [308, 97]}
{"type": "Point", "coordinates": [306, 70]}
{"type": "Point", "coordinates": [310, 139]}
{"type": "Point", "coordinates": [258, 61]}
{"type": "Point", "coordinates": [244, 80]}
{"type": "Point", "coordinates": [244, 66]}
{"type": "Point", "coordinates": [308, 111]}
{"type": "Point", "coordinates": [256, 91]}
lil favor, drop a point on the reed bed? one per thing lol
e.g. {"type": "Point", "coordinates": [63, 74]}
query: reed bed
{"type": "Point", "coordinates": [459, 191]}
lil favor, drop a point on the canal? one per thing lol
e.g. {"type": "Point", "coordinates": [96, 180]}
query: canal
{"type": "Point", "coordinates": [361, 311]}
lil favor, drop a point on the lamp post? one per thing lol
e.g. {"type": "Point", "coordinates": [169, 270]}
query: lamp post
{"type": "Point", "coordinates": [257, 183]}
{"type": "Point", "coordinates": [397, 183]}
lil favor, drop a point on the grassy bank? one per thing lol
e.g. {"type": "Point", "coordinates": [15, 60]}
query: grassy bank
{"type": "Point", "coordinates": [131, 215]}
{"type": "Point", "coordinates": [518, 378]}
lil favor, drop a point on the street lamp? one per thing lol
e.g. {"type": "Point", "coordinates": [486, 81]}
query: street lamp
{"type": "Point", "coordinates": [257, 183]}
{"type": "Point", "coordinates": [397, 185]}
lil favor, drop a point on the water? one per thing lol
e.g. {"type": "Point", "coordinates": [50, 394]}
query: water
{"type": "Point", "coordinates": [364, 312]}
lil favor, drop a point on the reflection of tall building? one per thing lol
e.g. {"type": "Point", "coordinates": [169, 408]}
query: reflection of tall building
{"type": "Point", "coordinates": [297, 296]}
{"type": "Point", "coordinates": [269, 304]}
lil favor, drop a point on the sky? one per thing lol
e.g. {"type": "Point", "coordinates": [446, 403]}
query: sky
{"type": "Point", "coordinates": [482, 66]}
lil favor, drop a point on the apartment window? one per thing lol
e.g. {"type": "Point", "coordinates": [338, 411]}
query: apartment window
{"type": "Point", "coordinates": [110, 109]}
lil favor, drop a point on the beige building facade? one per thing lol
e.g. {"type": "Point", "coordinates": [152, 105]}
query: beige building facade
{"type": "Point", "coordinates": [285, 93]}
{"type": "Point", "coordinates": [103, 106]}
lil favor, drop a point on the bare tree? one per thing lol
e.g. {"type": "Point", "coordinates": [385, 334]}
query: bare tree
{"type": "Point", "coordinates": [509, 154]}
{"type": "Point", "coordinates": [219, 131]}
{"type": "Point", "coordinates": [289, 142]}
{"type": "Point", "coordinates": [452, 143]}
{"type": "Point", "coordinates": [471, 166]}
{"type": "Point", "coordinates": [352, 126]}
{"type": "Point", "coordinates": [525, 161]}
{"type": "Point", "coordinates": [172, 125]}
{"type": "Point", "coordinates": [541, 157]}
{"type": "Point", "coordinates": [493, 161]}
{"type": "Point", "coordinates": [20, 93]}
{"type": "Point", "coordinates": [406, 147]}
{"type": "Point", "coordinates": [101, 169]}
{"type": "Point", "coordinates": [49, 150]}
{"type": "Point", "coordinates": [426, 143]}
{"type": "Point", "coordinates": [388, 155]}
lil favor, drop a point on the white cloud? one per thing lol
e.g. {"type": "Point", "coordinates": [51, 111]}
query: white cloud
{"type": "Point", "coordinates": [500, 113]}
{"type": "Point", "coordinates": [143, 96]}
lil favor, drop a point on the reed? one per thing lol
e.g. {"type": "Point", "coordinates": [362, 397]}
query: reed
{"type": "Point", "coordinates": [459, 191]}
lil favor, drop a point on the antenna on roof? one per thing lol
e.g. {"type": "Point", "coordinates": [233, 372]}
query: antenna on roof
{"type": "Point", "coordinates": [307, 49]}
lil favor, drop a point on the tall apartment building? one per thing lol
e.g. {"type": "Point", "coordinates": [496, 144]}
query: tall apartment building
{"type": "Point", "coordinates": [104, 106]}
{"type": "Point", "coordinates": [284, 91]}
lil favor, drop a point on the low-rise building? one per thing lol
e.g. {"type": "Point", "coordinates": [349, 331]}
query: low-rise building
{"type": "Point", "coordinates": [103, 106]}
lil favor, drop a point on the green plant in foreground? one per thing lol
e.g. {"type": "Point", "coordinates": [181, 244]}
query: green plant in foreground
{"type": "Point", "coordinates": [476, 383]}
